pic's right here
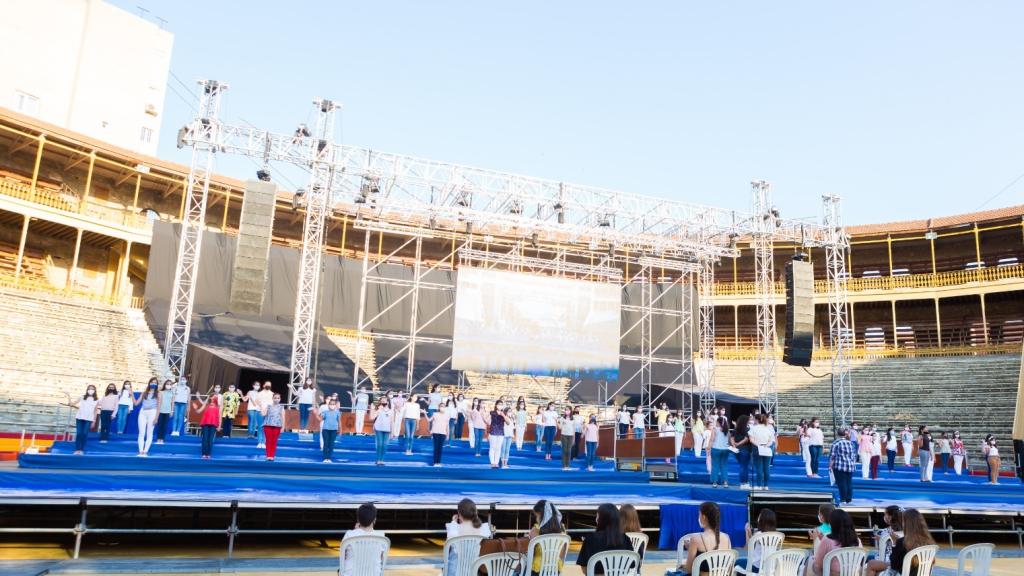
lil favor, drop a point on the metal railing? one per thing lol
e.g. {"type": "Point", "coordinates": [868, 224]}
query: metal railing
{"type": "Point", "coordinates": [724, 353]}
{"type": "Point", "coordinates": [40, 287]}
{"type": "Point", "coordinates": [92, 207]}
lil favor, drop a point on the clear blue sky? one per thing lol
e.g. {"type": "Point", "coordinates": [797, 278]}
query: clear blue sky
{"type": "Point", "coordinates": [906, 109]}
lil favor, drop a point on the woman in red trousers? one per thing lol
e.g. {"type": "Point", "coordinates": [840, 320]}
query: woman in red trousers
{"type": "Point", "coordinates": [273, 421]}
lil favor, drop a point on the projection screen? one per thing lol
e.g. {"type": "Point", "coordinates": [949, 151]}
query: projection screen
{"type": "Point", "coordinates": [517, 323]}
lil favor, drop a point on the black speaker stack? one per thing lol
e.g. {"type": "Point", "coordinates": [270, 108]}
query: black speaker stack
{"type": "Point", "coordinates": [799, 313]}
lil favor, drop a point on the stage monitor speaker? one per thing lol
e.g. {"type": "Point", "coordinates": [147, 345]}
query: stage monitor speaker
{"type": "Point", "coordinates": [249, 276]}
{"type": "Point", "coordinates": [799, 313]}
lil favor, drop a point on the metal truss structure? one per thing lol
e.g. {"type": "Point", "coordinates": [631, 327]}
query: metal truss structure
{"type": "Point", "coordinates": [318, 207]}
{"type": "Point", "coordinates": [764, 280]}
{"type": "Point", "coordinates": [419, 198]}
{"type": "Point", "coordinates": [838, 306]}
{"type": "Point", "coordinates": [204, 133]}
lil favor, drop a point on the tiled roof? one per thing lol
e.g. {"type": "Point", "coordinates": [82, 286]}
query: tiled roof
{"type": "Point", "coordinates": [936, 223]}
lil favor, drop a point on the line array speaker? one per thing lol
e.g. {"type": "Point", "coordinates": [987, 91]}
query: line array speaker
{"type": "Point", "coordinates": [249, 276]}
{"type": "Point", "coordinates": [799, 313]}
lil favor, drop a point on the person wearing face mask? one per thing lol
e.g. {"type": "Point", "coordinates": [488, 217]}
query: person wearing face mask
{"type": "Point", "coordinates": [273, 421]}
{"type": "Point", "coordinates": [510, 432]}
{"type": "Point", "coordinates": [252, 409]}
{"type": "Point", "coordinates": [307, 395]}
{"type": "Point", "coordinates": [891, 439]}
{"type": "Point", "coordinates": [590, 435]}
{"type": "Point", "coordinates": [568, 428]}
{"type": "Point", "coordinates": [329, 420]}
{"type": "Point", "coordinates": [440, 425]}
{"type": "Point", "coordinates": [959, 452]}
{"type": "Point", "coordinates": [495, 422]}
{"type": "Point", "coordinates": [230, 401]}
{"type": "Point", "coordinates": [87, 407]}
{"type": "Point", "coordinates": [411, 414]}
{"type": "Point", "coordinates": [550, 427]}
{"type": "Point", "coordinates": [907, 440]}
{"type": "Point", "coordinates": [107, 407]}
{"type": "Point", "coordinates": [578, 423]}
{"type": "Point", "coordinates": [991, 453]}
{"type": "Point", "coordinates": [944, 451]}
{"type": "Point", "coordinates": [125, 401]}
{"type": "Point", "coordinates": [452, 412]}
{"type": "Point", "coordinates": [209, 423]}
{"type": "Point", "coordinates": [925, 455]}
{"type": "Point", "coordinates": [815, 444]}
{"type": "Point", "coordinates": [181, 396]}
{"type": "Point", "coordinates": [360, 404]}
{"type": "Point", "coordinates": [149, 400]}
{"type": "Point", "coordinates": [266, 398]}
{"type": "Point", "coordinates": [163, 417]}
{"type": "Point", "coordinates": [382, 417]}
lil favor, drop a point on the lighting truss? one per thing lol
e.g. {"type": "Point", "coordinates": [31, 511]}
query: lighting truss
{"type": "Point", "coordinates": [556, 266]}
{"type": "Point", "coordinates": [764, 271]}
{"type": "Point", "coordinates": [706, 340]}
{"type": "Point", "coordinates": [838, 306]}
{"type": "Point", "coordinates": [205, 135]}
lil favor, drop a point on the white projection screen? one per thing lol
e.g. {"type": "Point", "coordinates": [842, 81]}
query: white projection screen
{"type": "Point", "coordinates": [517, 323]}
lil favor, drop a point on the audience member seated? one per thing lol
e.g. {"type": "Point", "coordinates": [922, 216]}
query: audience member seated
{"type": "Point", "coordinates": [366, 517]}
{"type": "Point", "coordinates": [699, 542]}
{"type": "Point", "coordinates": [915, 535]}
{"type": "Point", "coordinates": [465, 522]}
{"type": "Point", "coordinates": [607, 535]}
{"type": "Point", "coordinates": [841, 535]}
{"type": "Point", "coordinates": [886, 537]}
{"type": "Point", "coordinates": [548, 520]}
{"type": "Point", "coordinates": [631, 523]}
{"type": "Point", "coordinates": [765, 523]}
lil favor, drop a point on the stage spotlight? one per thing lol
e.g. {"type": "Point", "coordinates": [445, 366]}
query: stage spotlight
{"type": "Point", "coordinates": [535, 240]}
{"type": "Point", "coordinates": [302, 131]}
{"type": "Point", "coordinates": [299, 199]}
{"type": "Point", "coordinates": [182, 133]}
{"type": "Point", "coordinates": [605, 220]}
{"type": "Point", "coordinates": [516, 207]}
{"type": "Point", "coordinates": [263, 175]}
{"type": "Point", "coordinates": [465, 199]}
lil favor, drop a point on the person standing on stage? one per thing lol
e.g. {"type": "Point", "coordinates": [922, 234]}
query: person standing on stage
{"type": "Point", "coordinates": [477, 425]}
{"type": "Point", "coordinates": [522, 417]}
{"type": "Point", "coordinates": [740, 441]}
{"type": "Point", "coordinates": [816, 443]}
{"type": "Point", "coordinates": [991, 453]}
{"type": "Point", "coordinates": [591, 435]}
{"type": "Point", "coordinates": [679, 430]}
{"type": "Point", "coordinates": [266, 398]}
{"type": "Point", "coordinates": [638, 423]}
{"type": "Point", "coordinates": [230, 401]}
{"type": "Point", "coordinates": [84, 418]}
{"type": "Point", "coordinates": [891, 447]}
{"type": "Point", "coordinates": [568, 428]}
{"type": "Point", "coordinates": [462, 406]}
{"type": "Point", "coordinates": [433, 400]}
{"type": "Point", "coordinates": [925, 454]}
{"type": "Point", "coordinates": [510, 434]}
{"type": "Point", "coordinates": [360, 404]}
{"type": "Point", "coordinates": [382, 417]}
{"type": "Point", "coordinates": [550, 427]}
{"type": "Point", "coordinates": [411, 414]}
{"type": "Point", "coordinates": [307, 395]}
{"type": "Point", "coordinates": [398, 407]}
{"type": "Point", "coordinates": [149, 400]}
{"type": "Point", "coordinates": [330, 419]}
{"type": "Point", "coordinates": [697, 431]}
{"type": "Point", "coordinates": [107, 405]}
{"type": "Point", "coordinates": [252, 409]}
{"type": "Point", "coordinates": [843, 463]}
{"type": "Point", "coordinates": [125, 401]}
{"type": "Point", "coordinates": [577, 420]}
{"type": "Point", "coordinates": [762, 442]}
{"type": "Point", "coordinates": [273, 421]}
{"type": "Point", "coordinates": [907, 439]}
{"type": "Point", "coordinates": [876, 453]}
{"type": "Point", "coordinates": [209, 423]}
{"type": "Point", "coordinates": [624, 421]}
{"type": "Point", "coordinates": [495, 422]}
{"type": "Point", "coordinates": [182, 395]}
{"type": "Point", "coordinates": [440, 425]}
{"type": "Point", "coordinates": [805, 452]}
{"type": "Point", "coordinates": [864, 452]}
{"type": "Point", "coordinates": [163, 419]}
{"type": "Point", "coordinates": [944, 452]}
{"type": "Point", "coordinates": [452, 412]}
{"type": "Point", "coordinates": [959, 452]}
{"type": "Point", "coordinates": [662, 415]}
{"type": "Point", "coordinates": [538, 429]}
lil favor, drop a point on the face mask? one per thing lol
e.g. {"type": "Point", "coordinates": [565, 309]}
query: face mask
{"type": "Point", "coordinates": [700, 522]}
{"type": "Point", "coordinates": [216, 388]}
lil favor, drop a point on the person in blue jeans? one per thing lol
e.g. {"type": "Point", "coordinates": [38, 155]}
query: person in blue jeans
{"type": "Point", "coordinates": [87, 408]}
{"type": "Point", "coordinates": [411, 412]}
{"type": "Point", "coordinates": [719, 452]}
{"type": "Point", "coordinates": [329, 421]}
{"type": "Point", "coordinates": [125, 402]}
{"type": "Point", "coordinates": [741, 442]}
{"type": "Point", "coordinates": [182, 393]}
{"type": "Point", "coordinates": [550, 427]}
{"type": "Point", "coordinates": [252, 410]}
{"type": "Point", "coordinates": [108, 407]}
{"type": "Point", "coordinates": [382, 416]}
{"type": "Point", "coordinates": [590, 437]}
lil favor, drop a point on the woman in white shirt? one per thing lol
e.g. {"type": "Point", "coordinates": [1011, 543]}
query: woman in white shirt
{"type": "Point", "coordinates": [991, 453]}
{"type": "Point", "coordinates": [624, 421]}
{"type": "Point", "coordinates": [638, 423]}
{"type": "Point", "coordinates": [307, 395]}
{"type": "Point", "coordinates": [86, 415]}
{"type": "Point", "coordinates": [521, 417]}
{"type": "Point", "coordinates": [465, 522]}
{"type": "Point", "coordinates": [477, 426]}
{"type": "Point", "coordinates": [411, 413]}
{"type": "Point", "coordinates": [550, 427]}
{"type": "Point", "coordinates": [815, 444]}
{"type": "Point", "coordinates": [453, 415]}
{"type": "Point", "coordinates": [805, 444]}
{"type": "Point", "coordinates": [762, 437]}
{"type": "Point", "coordinates": [382, 416]}
{"type": "Point", "coordinates": [125, 402]}
{"type": "Point", "coordinates": [440, 424]}
{"type": "Point", "coordinates": [538, 428]}
{"type": "Point", "coordinates": [433, 400]}
{"type": "Point", "coordinates": [511, 432]}
{"type": "Point", "coordinates": [462, 405]}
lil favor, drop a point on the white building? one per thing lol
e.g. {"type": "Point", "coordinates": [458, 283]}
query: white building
{"type": "Point", "coordinates": [87, 66]}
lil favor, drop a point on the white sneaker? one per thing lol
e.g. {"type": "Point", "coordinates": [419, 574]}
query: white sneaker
{"type": "Point", "coordinates": [745, 486]}
{"type": "Point", "coordinates": [175, 434]}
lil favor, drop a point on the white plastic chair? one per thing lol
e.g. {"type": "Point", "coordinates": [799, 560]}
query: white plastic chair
{"type": "Point", "coordinates": [715, 562]}
{"type": "Point", "coordinates": [640, 541]}
{"type": "Point", "coordinates": [925, 556]}
{"type": "Point", "coordinates": [980, 557]}
{"type": "Point", "coordinates": [369, 554]}
{"type": "Point", "coordinates": [883, 543]}
{"type": "Point", "coordinates": [465, 550]}
{"type": "Point", "coordinates": [614, 563]}
{"type": "Point", "coordinates": [784, 563]}
{"type": "Point", "coordinates": [767, 542]}
{"type": "Point", "coordinates": [851, 561]}
{"type": "Point", "coordinates": [498, 564]}
{"type": "Point", "coordinates": [552, 550]}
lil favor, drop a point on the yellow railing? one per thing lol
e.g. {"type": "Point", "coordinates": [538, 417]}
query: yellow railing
{"type": "Point", "coordinates": [886, 352]}
{"type": "Point", "coordinates": [95, 208]}
{"type": "Point", "coordinates": [37, 286]}
{"type": "Point", "coordinates": [937, 280]}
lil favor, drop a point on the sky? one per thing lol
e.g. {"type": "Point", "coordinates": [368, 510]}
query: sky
{"type": "Point", "coordinates": [907, 110]}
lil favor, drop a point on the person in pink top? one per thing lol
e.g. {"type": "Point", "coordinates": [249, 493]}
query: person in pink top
{"type": "Point", "coordinates": [590, 437]}
{"type": "Point", "coordinates": [842, 535]}
{"type": "Point", "coordinates": [864, 444]}
{"type": "Point", "coordinates": [440, 422]}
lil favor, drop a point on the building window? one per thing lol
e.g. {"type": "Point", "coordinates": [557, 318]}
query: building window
{"type": "Point", "coordinates": [26, 103]}
{"type": "Point", "coordinates": [146, 135]}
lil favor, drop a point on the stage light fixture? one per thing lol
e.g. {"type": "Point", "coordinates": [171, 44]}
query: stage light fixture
{"type": "Point", "coordinates": [182, 134]}
{"type": "Point", "coordinates": [465, 199]}
{"type": "Point", "coordinates": [535, 240]}
{"type": "Point", "coordinates": [263, 175]}
{"type": "Point", "coordinates": [299, 199]}
{"type": "Point", "coordinates": [516, 207]}
{"type": "Point", "coordinates": [302, 131]}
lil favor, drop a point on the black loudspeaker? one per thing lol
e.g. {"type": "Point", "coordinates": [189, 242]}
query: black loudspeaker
{"type": "Point", "coordinates": [799, 313]}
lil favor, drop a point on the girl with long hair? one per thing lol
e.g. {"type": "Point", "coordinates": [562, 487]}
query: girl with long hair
{"type": "Point", "coordinates": [538, 429]}
{"type": "Point", "coordinates": [841, 535]}
{"type": "Point", "coordinates": [465, 522]}
{"type": "Point", "coordinates": [568, 428]}
{"type": "Point", "coordinates": [719, 453]}
{"type": "Point", "coordinates": [631, 523]}
{"type": "Point", "coordinates": [107, 407]}
{"type": "Point", "coordinates": [273, 422]}
{"type": "Point", "coordinates": [440, 426]}
{"type": "Point", "coordinates": [125, 401]}
{"type": "Point", "coordinates": [891, 447]}
{"type": "Point", "coordinates": [741, 442]}
{"type": "Point", "coordinates": [522, 416]}
{"type": "Point", "coordinates": [886, 539]}
{"type": "Point", "coordinates": [451, 411]}
{"type": "Point", "coordinates": [959, 452]}
{"type": "Point", "coordinates": [382, 416]}
{"type": "Point", "coordinates": [591, 435]}
{"type": "Point", "coordinates": [163, 419]}
{"type": "Point", "coordinates": [462, 405]}
{"type": "Point", "coordinates": [510, 435]}
{"type": "Point", "coordinates": [307, 395]}
{"type": "Point", "coordinates": [766, 522]}
{"type": "Point", "coordinates": [991, 453]}
{"type": "Point", "coordinates": [710, 538]}
{"type": "Point", "coordinates": [915, 535]}
{"type": "Point", "coordinates": [550, 427]}
{"type": "Point", "coordinates": [209, 423]}
{"type": "Point", "coordinates": [477, 425]}
{"type": "Point", "coordinates": [87, 407]}
{"type": "Point", "coordinates": [149, 400]}
{"type": "Point", "coordinates": [547, 520]}
{"type": "Point", "coordinates": [607, 535]}
{"type": "Point", "coordinates": [495, 422]}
